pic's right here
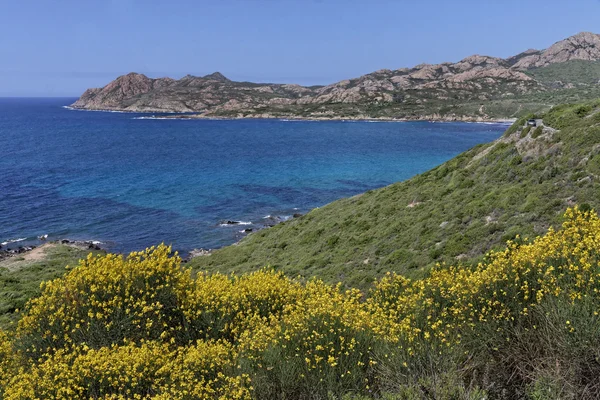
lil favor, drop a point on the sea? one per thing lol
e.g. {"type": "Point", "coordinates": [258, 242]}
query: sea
{"type": "Point", "coordinates": [131, 180]}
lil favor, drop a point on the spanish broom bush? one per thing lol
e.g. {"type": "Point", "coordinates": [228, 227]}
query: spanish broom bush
{"type": "Point", "coordinates": [522, 323]}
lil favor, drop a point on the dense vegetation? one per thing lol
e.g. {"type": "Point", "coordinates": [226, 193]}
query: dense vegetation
{"type": "Point", "coordinates": [519, 184]}
{"type": "Point", "coordinates": [520, 324]}
{"type": "Point", "coordinates": [420, 313]}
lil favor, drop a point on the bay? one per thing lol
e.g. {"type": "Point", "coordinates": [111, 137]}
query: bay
{"type": "Point", "coordinates": [133, 182]}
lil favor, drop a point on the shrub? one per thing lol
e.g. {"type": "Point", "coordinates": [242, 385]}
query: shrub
{"type": "Point", "coordinates": [537, 132]}
{"type": "Point", "coordinates": [146, 371]}
{"type": "Point", "coordinates": [324, 345]}
{"type": "Point", "coordinates": [107, 300]}
{"type": "Point", "coordinates": [522, 322]}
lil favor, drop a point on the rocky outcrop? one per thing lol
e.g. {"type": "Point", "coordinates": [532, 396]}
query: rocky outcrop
{"type": "Point", "coordinates": [476, 78]}
{"type": "Point", "coordinates": [138, 93]}
{"type": "Point", "coordinates": [583, 46]}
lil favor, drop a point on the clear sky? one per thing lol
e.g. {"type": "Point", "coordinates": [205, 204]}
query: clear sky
{"type": "Point", "coordinates": [62, 47]}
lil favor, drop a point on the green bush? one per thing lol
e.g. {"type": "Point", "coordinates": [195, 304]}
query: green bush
{"type": "Point", "coordinates": [537, 132]}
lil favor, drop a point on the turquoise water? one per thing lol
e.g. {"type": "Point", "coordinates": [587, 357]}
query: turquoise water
{"type": "Point", "coordinates": [131, 182]}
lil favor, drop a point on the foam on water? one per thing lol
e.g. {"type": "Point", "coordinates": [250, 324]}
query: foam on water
{"type": "Point", "coordinates": [9, 241]}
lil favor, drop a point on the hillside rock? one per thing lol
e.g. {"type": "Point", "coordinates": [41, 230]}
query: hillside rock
{"type": "Point", "coordinates": [583, 46]}
{"type": "Point", "coordinates": [408, 93]}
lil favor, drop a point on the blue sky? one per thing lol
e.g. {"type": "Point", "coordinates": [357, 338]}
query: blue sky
{"type": "Point", "coordinates": [60, 48]}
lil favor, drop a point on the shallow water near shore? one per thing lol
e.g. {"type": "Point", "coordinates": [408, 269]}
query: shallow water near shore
{"type": "Point", "coordinates": [133, 183]}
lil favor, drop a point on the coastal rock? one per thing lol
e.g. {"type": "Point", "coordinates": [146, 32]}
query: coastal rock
{"type": "Point", "coordinates": [197, 253]}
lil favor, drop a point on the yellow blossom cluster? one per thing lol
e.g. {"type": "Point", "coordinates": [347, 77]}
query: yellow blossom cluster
{"type": "Point", "coordinates": [326, 334]}
{"type": "Point", "coordinates": [507, 285]}
{"type": "Point", "coordinates": [224, 307]}
{"type": "Point", "coordinates": [143, 327]}
{"type": "Point", "coordinates": [147, 371]}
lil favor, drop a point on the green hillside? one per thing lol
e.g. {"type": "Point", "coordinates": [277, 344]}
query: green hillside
{"type": "Point", "coordinates": [519, 184]}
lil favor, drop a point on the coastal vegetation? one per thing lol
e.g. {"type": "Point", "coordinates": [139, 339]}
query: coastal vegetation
{"type": "Point", "coordinates": [479, 279]}
{"type": "Point", "coordinates": [522, 323]}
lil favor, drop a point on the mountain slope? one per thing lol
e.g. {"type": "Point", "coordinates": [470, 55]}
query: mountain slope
{"type": "Point", "coordinates": [137, 92]}
{"type": "Point", "coordinates": [475, 88]}
{"type": "Point", "coordinates": [583, 46]}
{"type": "Point", "coordinates": [519, 184]}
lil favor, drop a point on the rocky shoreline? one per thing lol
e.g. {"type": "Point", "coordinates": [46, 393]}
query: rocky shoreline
{"type": "Point", "coordinates": [11, 249]}
{"type": "Point", "coordinates": [283, 117]}
{"type": "Point", "coordinates": [17, 251]}
{"type": "Point", "coordinates": [423, 118]}
{"type": "Point", "coordinates": [269, 221]}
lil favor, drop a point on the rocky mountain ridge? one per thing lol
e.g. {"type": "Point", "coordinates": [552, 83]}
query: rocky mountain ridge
{"type": "Point", "coordinates": [410, 93]}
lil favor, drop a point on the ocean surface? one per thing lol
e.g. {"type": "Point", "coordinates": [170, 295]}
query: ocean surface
{"type": "Point", "coordinates": [132, 182]}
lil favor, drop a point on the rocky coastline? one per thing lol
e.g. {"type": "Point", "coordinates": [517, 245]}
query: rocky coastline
{"type": "Point", "coordinates": [19, 250]}
{"type": "Point", "coordinates": [424, 118]}
{"type": "Point", "coordinates": [13, 248]}
{"type": "Point", "coordinates": [268, 221]}
{"type": "Point", "coordinates": [167, 115]}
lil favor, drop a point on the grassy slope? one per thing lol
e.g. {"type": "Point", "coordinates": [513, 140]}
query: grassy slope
{"type": "Point", "coordinates": [474, 202]}
{"type": "Point", "coordinates": [20, 279]}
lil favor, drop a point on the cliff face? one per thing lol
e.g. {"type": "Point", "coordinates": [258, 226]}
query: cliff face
{"type": "Point", "coordinates": [408, 92]}
{"type": "Point", "coordinates": [117, 93]}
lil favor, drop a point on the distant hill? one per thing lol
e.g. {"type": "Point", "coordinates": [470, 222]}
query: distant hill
{"type": "Point", "coordinates": [475, 88]}
{"type": "Point", "coordinates": [519, 184]}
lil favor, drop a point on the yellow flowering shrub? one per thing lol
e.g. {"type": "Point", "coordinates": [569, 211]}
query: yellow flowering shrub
{"type": "Point", "coordinates": [224, 307]}
{"type": "Point", "coordinates": [502, 288]}
{"type": "Point", "coordinates": [131, 371]}
{"type": "Point", "coordinates": [106, 300]}
{"type": "Point", "coordinates": [143, 327]}
{"type": "Point", "coordinates": [322, 341]}
{"type": "Point", "coordinates": [7, 360]}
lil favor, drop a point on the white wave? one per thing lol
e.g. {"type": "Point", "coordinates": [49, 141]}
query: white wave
{"type": "Point", "coordinates": [235, 223]}
{"type": "Point", "coordinates": [83, 109]}
{"type": "Point", "coordinates": [169, 118]}
{"type": "Point", "coordinates": [12, 241]}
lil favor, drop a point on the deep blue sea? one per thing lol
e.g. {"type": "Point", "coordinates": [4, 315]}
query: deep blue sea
{"type": "Point", "coordinates": [131, 183]}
